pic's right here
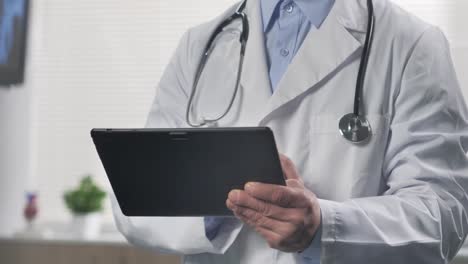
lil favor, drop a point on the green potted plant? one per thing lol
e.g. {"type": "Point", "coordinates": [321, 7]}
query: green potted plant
{"type": "Point", "coordinates": [86, 204]}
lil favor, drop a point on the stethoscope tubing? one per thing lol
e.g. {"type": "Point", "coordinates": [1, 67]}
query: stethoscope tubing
{"type": "Point", "coordinates": [239, 14]}
{"type": "Point", "coordinates": [364, 59]}
{"type": "Point", "coordinates": [354, 126]}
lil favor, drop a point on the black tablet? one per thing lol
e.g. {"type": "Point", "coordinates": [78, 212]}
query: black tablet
{"type": "Point", "coordinates": [185, 172]}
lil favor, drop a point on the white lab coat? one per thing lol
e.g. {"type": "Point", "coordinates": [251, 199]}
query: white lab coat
{"type": "Point", "coordinates": [400, 198]}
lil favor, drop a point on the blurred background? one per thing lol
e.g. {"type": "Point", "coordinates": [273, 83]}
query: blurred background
{"type": "Point", "coordinates": [96, 63]}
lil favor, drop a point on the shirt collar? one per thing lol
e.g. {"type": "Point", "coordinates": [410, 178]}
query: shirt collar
{"type": "Point", "coordinates": [268, 7]}
{"type": "Point", "coordinates": [315, 10]}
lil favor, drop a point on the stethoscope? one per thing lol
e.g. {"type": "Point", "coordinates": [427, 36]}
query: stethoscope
{"type": "Point", "coordinates": [353, 126]}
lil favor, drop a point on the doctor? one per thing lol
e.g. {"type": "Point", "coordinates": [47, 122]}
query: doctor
{"type": "Point", "coordinates": [400, 196]}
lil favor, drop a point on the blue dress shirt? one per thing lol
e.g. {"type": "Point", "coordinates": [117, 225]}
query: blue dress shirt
{"type": "Point", "coordinates": [285, 24]}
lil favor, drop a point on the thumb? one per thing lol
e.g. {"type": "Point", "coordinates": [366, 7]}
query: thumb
{"type": "Point", "coordinates": [289, 169]}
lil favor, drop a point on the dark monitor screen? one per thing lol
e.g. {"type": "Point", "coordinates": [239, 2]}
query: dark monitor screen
{"type": "Point", "coordinates": [13, 31]}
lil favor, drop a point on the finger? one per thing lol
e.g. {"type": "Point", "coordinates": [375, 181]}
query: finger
{"type": "Point", "coordinates": [274, 240]}
{"type": "Point", "coordinates": [289, 169]}
{"type": "Point", "coordinates": [255, 219]}
{"type": "Point", "coordinates": [231, 206]}
{"type": "Point", "coordinates": [271, 237]}
{"type": "Point", "coordinates": [243, 199]}
{"type": "Point", "coordinates": [282, 196]}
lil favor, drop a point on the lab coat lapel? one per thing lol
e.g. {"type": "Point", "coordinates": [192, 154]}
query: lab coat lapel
{"type": "Point", "coordinates": [255, 80]}
{"type": "Point", "coordinates": [322, 52]}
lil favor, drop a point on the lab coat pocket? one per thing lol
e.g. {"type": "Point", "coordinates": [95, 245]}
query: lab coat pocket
{"type": "Point", "coordinates": [339, 169]}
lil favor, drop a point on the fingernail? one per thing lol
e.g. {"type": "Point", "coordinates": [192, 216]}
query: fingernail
{"type": "Point", "coordinates": [249, 185]}
{"type": "Point", "coordinates": [233, 195]}
{"type": "Point", "coordinates": [229, 204]}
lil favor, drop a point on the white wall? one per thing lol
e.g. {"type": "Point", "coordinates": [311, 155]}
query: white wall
{"type": "Point", "coordinates": [91, 63]}
{"type": "Point", "coordinates": [458, 33]}
{"type": "Point", "coordinates": [16, 138]}
{"type": "Point", "coordinates": [15, 125]}
{"type": "Point", "coordinates": [95, 63]}
{"type": "Point", "coordinates": [101, 60]}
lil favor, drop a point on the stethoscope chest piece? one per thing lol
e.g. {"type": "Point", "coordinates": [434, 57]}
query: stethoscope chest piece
{"type": "Point", "coordinates": [355, 128]}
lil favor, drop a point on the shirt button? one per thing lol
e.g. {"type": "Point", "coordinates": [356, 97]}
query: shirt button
{"type": "Point", "coordinates": [289, 7]}
{"type": "Point", "coordinates": [284, 52]}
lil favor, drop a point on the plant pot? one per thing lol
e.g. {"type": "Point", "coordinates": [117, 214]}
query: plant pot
{"type": "Point", "coordinates": [86, 226]}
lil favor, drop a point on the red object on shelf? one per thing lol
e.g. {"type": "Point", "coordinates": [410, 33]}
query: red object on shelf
{"type": "Point", "coordinates": [31, 209]}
